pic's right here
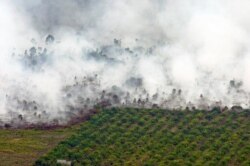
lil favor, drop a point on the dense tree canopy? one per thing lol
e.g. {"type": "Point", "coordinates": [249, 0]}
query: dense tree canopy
{"type": "Point", "coordinates": [158, 137]}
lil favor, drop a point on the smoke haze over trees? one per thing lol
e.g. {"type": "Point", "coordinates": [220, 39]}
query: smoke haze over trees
{"type": "Point", "coordinates": [65, 56]}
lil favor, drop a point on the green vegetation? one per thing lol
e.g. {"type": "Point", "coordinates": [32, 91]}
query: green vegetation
{"type": "Point", "coordinates": [24, 147]}
{"type": "Point", "coordinates": [157, 137]}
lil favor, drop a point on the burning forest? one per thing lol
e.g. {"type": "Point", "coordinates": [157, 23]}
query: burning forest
{"type": "Point", "coordinates": [62, 61]}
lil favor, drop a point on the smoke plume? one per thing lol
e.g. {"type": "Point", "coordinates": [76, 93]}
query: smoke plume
{"type": "Point", "coordinates": [59, 59]}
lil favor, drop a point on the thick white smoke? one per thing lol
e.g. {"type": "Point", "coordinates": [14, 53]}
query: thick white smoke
{"type": "Point", "coordinates": [140, 51]}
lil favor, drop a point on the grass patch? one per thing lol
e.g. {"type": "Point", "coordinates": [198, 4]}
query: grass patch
{"type": "Point", "coordinates": [24, 147]}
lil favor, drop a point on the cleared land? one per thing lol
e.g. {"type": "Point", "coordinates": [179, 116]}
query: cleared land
{"type": "Point", "coordinates": [24, 147]}
{"type": "Point", "coordinates": [157, 137]}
